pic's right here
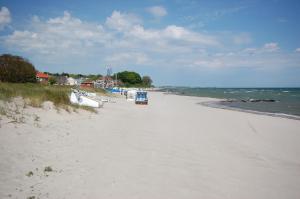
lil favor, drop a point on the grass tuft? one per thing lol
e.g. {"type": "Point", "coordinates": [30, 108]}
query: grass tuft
{"type": "Point", "coordinates": [48, 169]}
{"type": "Point", "coordinates": [29, 174]}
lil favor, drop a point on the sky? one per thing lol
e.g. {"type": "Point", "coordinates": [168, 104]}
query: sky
{"type": "Point", "coordinates": [229, 43]}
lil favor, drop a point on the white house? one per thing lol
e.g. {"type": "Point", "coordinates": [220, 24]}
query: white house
{"type": "Point", "coordinates": [71, 81]}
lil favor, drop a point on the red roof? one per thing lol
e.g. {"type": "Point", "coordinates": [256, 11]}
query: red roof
{"type": "Point", "coordinates": [87, 82]}
{"type": "Point", "coordinates": [41, 75]}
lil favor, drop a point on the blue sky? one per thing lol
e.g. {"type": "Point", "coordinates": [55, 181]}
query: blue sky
{"type": "Point", "coordinates": [230, 43]}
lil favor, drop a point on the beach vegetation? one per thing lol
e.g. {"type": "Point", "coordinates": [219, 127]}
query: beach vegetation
{"type": "Point", "coordinates": [95, 90]}
{"type": "Point", "coordinates": [93, 77]}
{"type": "Point", "coordinates": [48, 169]}
{"type": "Point", "coordinates": [29, 174]}
{"type": "Point", "coordinates": [36, 94]}
{"type": "Point", "coordinates": [52, 80]}
{"type": "Point", "coordinates": [36, 118]}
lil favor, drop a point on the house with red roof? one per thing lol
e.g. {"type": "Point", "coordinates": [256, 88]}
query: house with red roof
{"type": "Point", "coordinates": [87, 84]}
{"type": "Point", "coordinates": [42, 77]}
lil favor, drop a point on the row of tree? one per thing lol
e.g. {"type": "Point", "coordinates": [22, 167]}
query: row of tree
{"type": "Point", "coordinates": [18, 69]}
{"type": "Point", "coordinates": [133, 79]}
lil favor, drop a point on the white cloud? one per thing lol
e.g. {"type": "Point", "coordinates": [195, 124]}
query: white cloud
{"type": "Point", "coordinates": [123, 41]}
{"type": "Point", "coordinates": [128, 57]}
{"type": "Point", "coordinates": [240, 60]}
{"type": "Point", "coordinates": [181, 33]}
{"type": "Point", "coordinates": [297, 50]}
{"type": "Point", "coordinates": [172, 34]}
{"type": "Point", "coordinates": [69, 35]}
{"type": "Point", "coordinates": [122, 21]}
{"type": "Point", "coordinates": [227, 11]}
{"type": "Point", "coordinates": [266, 48]}
{"type": "Point", "coordinates": [61, 36]}
{"type": "Point", "coordinates": [5, 17]}
{"type": "Point", "coordinates": [157, 11]}
{"type": "Point", "coordinates": [271, 47]}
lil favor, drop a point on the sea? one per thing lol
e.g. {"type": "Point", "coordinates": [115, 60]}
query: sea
{"type": "Point", "coordinates": [283, 102]}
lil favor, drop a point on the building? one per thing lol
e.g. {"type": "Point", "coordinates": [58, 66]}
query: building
{"type": "Point", "coordinates": [87, 84]}
{"type": "Point", "coordinates": [100, 83]}
{"type": "Point", "coordinates": [106, 82]}
{"type": "Point", "coordinates": [42, 77]}
{"type": "Point", "coordinates": [80, 80]}
{"type": "Point", "coordinates": [71, 81]}
{"type": "Point", "coordinates": [61, 80]}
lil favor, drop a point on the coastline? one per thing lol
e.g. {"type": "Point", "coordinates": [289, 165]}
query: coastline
{"type": "Point", "coordinates": [217, 103]}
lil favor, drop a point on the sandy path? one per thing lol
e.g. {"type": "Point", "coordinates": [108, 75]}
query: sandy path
{"type": "Point", "coordinates": [172, 148]}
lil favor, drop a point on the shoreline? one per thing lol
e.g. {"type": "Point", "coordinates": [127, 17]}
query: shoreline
{"type": "Point", "coordinates": [216, 103]}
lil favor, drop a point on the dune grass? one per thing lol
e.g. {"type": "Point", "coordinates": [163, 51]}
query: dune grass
{"type": "Point", "coordinates": [96, 90]}
{"type": "Point", "coordinates": [35, 94]}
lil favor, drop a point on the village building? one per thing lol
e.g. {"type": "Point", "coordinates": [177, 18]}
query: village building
{"type": "Point", "coordinates": [80, 80]}
{"type": "Point", "coordinates": [61, 80]}
{"type": "Point", "coordinates": [71, 81]}
{"type": "Point", "coordinates": [106, 82]}
{"type": "Point", "coordinates": [42, 77]}
{"type": "Point", "coordinates": [87, 84]}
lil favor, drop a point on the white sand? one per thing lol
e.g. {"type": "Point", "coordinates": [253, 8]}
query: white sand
{"type": "Point", "coordinates": [172, 148]}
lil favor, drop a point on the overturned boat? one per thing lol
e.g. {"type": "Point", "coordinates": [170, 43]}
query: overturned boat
{"type": "Point", "coordinates": [84, 98]}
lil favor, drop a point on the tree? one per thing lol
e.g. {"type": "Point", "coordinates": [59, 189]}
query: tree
{"type": "Point", "coordinates": [52, 80]}
{"type": "Point", "coordinates": [94, 77]}
{"type": "Point", "coordinates": [16, 69]}
{"type": "Point", "coordinates": [147, 81]}
{"type": "Point", "coordinates": [65, 74]}
{"type": "Point", "coordinates": [129, 78]}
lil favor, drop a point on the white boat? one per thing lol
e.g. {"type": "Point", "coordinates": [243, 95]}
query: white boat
{"type": "Point", "coordinates": [85, 99]}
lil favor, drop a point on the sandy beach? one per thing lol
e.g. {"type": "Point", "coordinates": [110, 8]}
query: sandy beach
{"type": "Point", "coordinates": [172, 148]}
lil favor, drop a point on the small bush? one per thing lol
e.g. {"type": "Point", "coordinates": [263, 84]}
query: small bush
{"type": "Point", "coordinates": [48, 169]}
{"type": "Point", "coordinates": [52, 80]}
{"type": "Point", "coordinates": [29, 174]}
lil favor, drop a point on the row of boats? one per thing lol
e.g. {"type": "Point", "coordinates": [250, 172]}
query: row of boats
{"type": "Point", "coordinates": [84, 98]}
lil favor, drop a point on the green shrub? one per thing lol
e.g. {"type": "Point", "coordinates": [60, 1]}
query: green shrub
{"type": "Point", "coordinates": [52, 80]}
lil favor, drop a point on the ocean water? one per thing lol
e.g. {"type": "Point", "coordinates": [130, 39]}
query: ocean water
{"type": "Point", "coordinates": [269, 100]}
